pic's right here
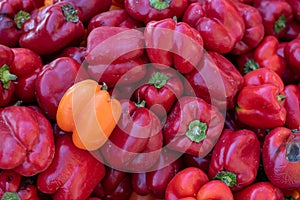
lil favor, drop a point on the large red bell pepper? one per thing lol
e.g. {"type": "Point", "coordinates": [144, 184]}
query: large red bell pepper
{"type": "Point", "coordinates": [53, 28]}
{"type": "Point", "coordinates": [228, 161]}
{"type": "Point", "coordinates": [193, 126]}
{"type": "Point", "coordinates": [173, 44]}
{"type": "Point", "coordinates": [27, 144]}
{"type": "Point", "coordinates": [281, 157]}
{"type": "Point", "coordinates": [219, 23]}
{"type": "Point", "coordinates": [73, 174]}
{"type": "Point", "coordinates": [292, 106]}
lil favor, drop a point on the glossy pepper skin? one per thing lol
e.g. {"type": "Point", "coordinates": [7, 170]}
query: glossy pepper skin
{"type": "Point", "coordinates": [193, 184]}
{"type": "Point", "coordinates": [276, 16]}
{"type": "Point", "coordinates": [7, 87]}
{"type": "Point", "coordinates": [26, 66]}
{"type": "Point", "coordinates": [27, 143]}
{"type": "Point", "coordinates": [254, 29]}
{"type": "Point", "coordinates": [259, 190]}
{"type": "Point", "coordinates": [13, 13]}
{"type": "Point", "coordinates": [136, 141]}
{"type": "Point", "coordinates": [292, 54]}
{"type": "Point", "coordinates": [281, 157]}
{"type": "Point", "coordinates": [89, 9]}
{"type": "Point", "coordinates": [228, 161]}
{"type": "Point", "coordinates": [292, 106]}
{"type": "Point", "coordinates": [205, 81]}
{"type": "Point", "coordinates": [173, 44]}
{"type": "Point", "coordinates": [219, 23]}
{"type": "Point", "coordinates": [73, 174]}
{"type": "Point", "coordinates": [193, 126]}
{"type": "Point", "coordinates": [53, 28]}
{"type": "Point", "coordinates": [65, 72]}
{"type": "Point", "coordinates": [260, 103]}
{"type": "Point", "coordinates": [150, 10]}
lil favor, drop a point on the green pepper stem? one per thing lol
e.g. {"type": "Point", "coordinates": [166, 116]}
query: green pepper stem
{"type": "Point", "coordinates": [228, 178]}
{"type": "Point", "coordinates": [250, 65]}
{"type": "Point", "coordinates": [158, 80]}
{"type": "Point", "coordinates": [6, 76]}
{"type": "Point", "coordinates": [289, 198]}
{"type": "Point", "coordinates": [141, 104]}
{"type": "Point", "coordinates": [159, 4]}
{"type": "Point", "coordinates": [70, 13]}
{"type": "Point", "coordinates": [20, 18]}
{"type": "Point", "coordinates": [280, 97]}
{"type": "Point", "coordinates": [280, 24]}
{"type": "Point", "coordinates": [10, 196]}
{"type": "Point", "coordinates": [197, 131]}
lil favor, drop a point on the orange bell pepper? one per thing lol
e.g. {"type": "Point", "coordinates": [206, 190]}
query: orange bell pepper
{"type": "Point", "coordinates": [87, 110]}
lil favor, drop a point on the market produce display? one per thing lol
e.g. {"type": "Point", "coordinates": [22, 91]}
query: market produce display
{"type": "Point", "coordinates": [149, 99]}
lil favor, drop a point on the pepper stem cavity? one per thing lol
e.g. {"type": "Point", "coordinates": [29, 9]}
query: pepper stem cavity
{"type": "Point", "coordinates": [280, 97]}
{"type": "Point", "coordinates": [197, 131]}
{"type": "Point", "coordinates": [160, 4]}
{"type": "Point", "coordinates": [104, 86]}
{"type": "Point", "coordinates": [70, 13]}
{"type": "Point", "coordinates": [280, 24]}
{"type": "Point", "coordinates": [10, 196]}
{"type": "Point", "coordinates": [20, 18]}
{"type": "Point", "coordinates": [6, 76]}
{"type": "Point", "coordinates": [250, 65]}
{"type": "Point", "coordinates": [226, 177]}
{"type": "Point", "coordinates": [158, 80]}
{"type": "Point", "coordinates": [293, 152]}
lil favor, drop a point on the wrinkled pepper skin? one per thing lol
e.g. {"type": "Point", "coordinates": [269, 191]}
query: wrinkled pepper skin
{"type": "Point", "coordinates": [260, 103]}
{"type": "Point", "coordinates": [118, 18]}
{"type": "Point", "coordinates": [254, 29]}
{"type": "Point", "coordinates": [219, 23]}
{"type": "Point", "coordinates": [205, 81]}
{"type": "Point", "coordinates": [173, 44]}
{"type": "Point", "coordinates": [12, 20]}
{"type": "Point", "coordinates": [292, 106]}
{"type": "Point", "coordinates": [115, 185]}
{"type": "Point", "coordinates": [193, 184]}
{"type": "Point", "coordinates": [73, 174]}
{"type": "Point", "coordinates": [137, 139]}
{"type": "Point", "coordinates": [26, 66]}
{"type": "Point", "coordinates": [276, 16]}
{"type": "Point", "coordinates": [53, 28]}
{"type": "Point", "coordinates": [90, 9]}
{"type": "Point", "coordinates": [65, 72]}
{"type": "Point", "coordinates": [260, 190]}
{"type": "Point", "coordinates": [7, 86]}
{"type": "Point", "coordinates": [150, 10]}
{"type": "Point", "coordinates": [27, 141]}
{"type": "Point", "coordinates": [228, 161]}
{"type": "Point", "coordinates": [193, 126]}
{"type": "Point", "coordinates": [281, 158]}
{"type": "Point", "coordinates": [292, 54]}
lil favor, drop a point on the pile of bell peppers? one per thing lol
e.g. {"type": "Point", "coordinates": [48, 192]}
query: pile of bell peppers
{"type": "Point", "coordinates": [149, 99]}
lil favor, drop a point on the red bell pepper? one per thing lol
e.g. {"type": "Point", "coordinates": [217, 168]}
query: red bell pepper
{"type": "Point", "coordinates": [265, 54]}
{"type": "Point", "coordinates": [53, 28]}
{"type": "Point", "coordinates": [89, 9]}
{"type": "Point", "coordinates": [296, 8]}
{"type": "Point", "coordinates": [169, 43]}
{"type": "Point", "coordinates": [192, 184]}
{"type": "Point", "coordinates": [65, 71]}
{"type": "Point", "coordinates": [73, 174]}
{"type": "Point", "coordinates": [7, 87]}
{"type": "Point", "coordinates": [193, 126]}
{"type": "Point", "coordinates": [115, 185]}
{"type": "Point", "coordinates": [292, 106]}
{"type": "Point", "coordinates": [118, 18]}
{"type": "Point", "coordinates": [293, 31]}
{"type": "Point", "coordinates": [219, 23]}
{"type": "Point", "coordinates": [213, 81]}
{"type": "Point", "coordinates": [26, 66]}
{"type": "Point", "coordinates": [276, 16]}
{"type": "Point", "coordinates": [77, 53]}
{"type": "Point", "coordinates": [162, 89]}
{"type": "Point", "coordinates": [27, 144]}
{"type": "Point", "coordinates": [150, 10]}
{"type": "Point", "coordinates": [136, 141]}
{"type": "Point", "coordinates": [195, 161]}
{"type": "Point", "coordinates": [292, 54]}
{"type": "Point", "coordinates": [260, 103]}
{"type": "Point", "coordinates": [254, 29]}
{"type": "Point", "coordinates": [281, 157]}
{"type": "Point", "coordinates": [228, 162]}
{"type": "Point", "coordinates": [13, 13]}
{"type": "Point", "coordinates": [260, 190]}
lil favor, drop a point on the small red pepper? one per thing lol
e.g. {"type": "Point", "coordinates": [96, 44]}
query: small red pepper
{"type": "Point", "coordinates": [27, 140]}
{"type": "Point", "coordinates": [281, 157]}
{"type": "Point", "coordinates": [150, 10]}
{"type": "Point", "coordinates": [53, 28]}
{"type": "Point", "coordinates": [292, 106]}
{"type": "Point", "coordinates": [219, 23]}
{"type": "Point", "coordinates": [292, 54]}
